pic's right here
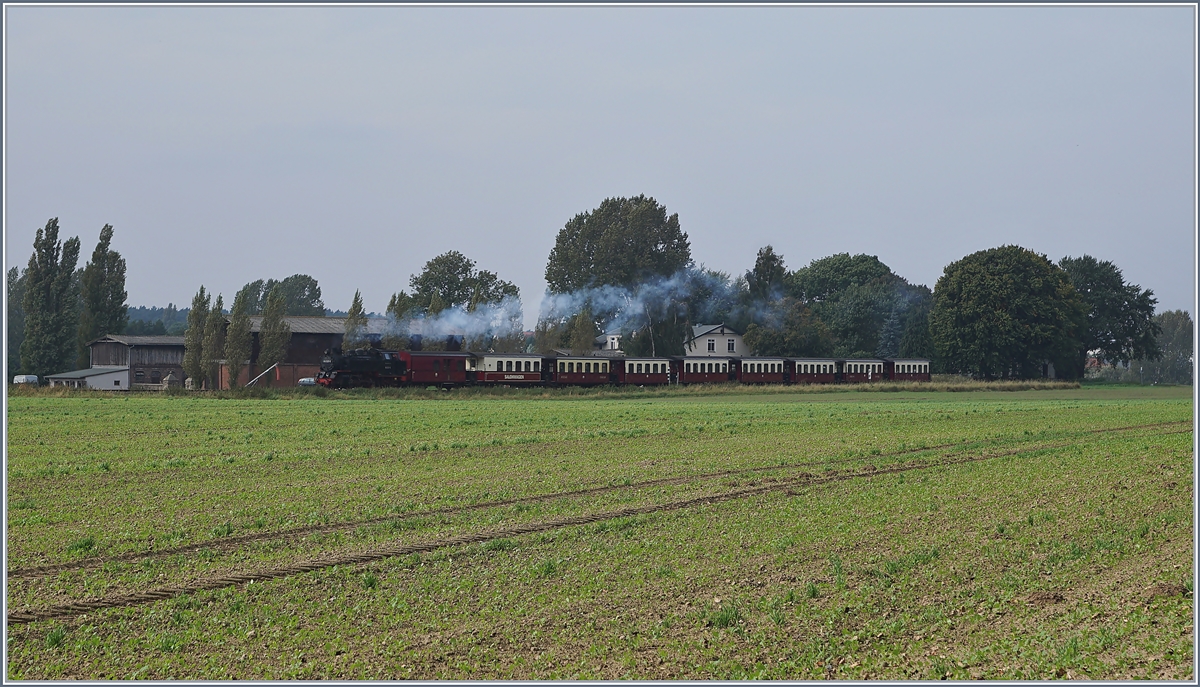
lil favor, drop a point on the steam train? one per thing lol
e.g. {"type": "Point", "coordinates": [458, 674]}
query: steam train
{"type": "Point", "coordinates": [371, 367]}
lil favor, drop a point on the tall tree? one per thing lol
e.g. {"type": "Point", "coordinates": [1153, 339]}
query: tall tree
{"type": "Point", "coordinates": [238, 339]}
{"type": "Point", "coordinates": [1175, 363]}
{"type": "Point", "coordinates": [583, 332]}
{"type": "Point", "coordinates": [1005, 312]}
{"type": "Point", "coordinates": [855, 296]}
{"type": "Point", "coordinates": [193, 339]}
{"type": "Point", "coordinates": [16, 320]}
{"type": "Point", "coordinates": [355, 335]}
{"type": "Point", "coordinates": [214, 344]}
{"type": "Point", "coordinates": [765, 281]}
{"type": "Point", "coordinates": [274, 334]}
{"type": "Point", "coordinates": [1120, 316]}
{"type": "Point", "coordinates": [399, 312]}
{"type": "Point", "coordinates": [51, 303]}
{"type": "Point", "coordinates": [623, 242]}
{"type": "Point", "coordinates": [302, 296]}
{"type": "Point", "coordinates": [103, 291]}
{"type": "Point", "coordinates": [450, 280]}
{"type": "Point", "coordinates": [801, 334]}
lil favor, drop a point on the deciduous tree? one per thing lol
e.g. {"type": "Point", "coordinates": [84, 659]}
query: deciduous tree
{"type": "Point", "coordinates": [214, 344]}
{"type": "Point", "coordinates": [355, 335]}
{"type": "Point", "coordinates": [103, 291]}
{"type": "Point", "coordinates": [51, 303]}
{"type": "Point", "coordinates": [193, 339]}
{"type": "Point", "coordinates": [1120, 316]}
{"type": "Point", "coordinates": [624, 242]}
{"type": "Point", "coordinates": [274, 334]}
{"type": "Point", "coordinates": [1006, 312]}
{"type": "Point", "coordinates": [16, 320]}
{"type": "Point", "coordinates": [800, 333]}
{"type": "Point", "coordinates": [238, 339]}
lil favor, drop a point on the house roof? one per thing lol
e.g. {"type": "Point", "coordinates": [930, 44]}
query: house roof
{"type": "Point", "coordinates": [700, 330]}
{"type": "Point", "coordinates": [139, 340]}
{"type": "Point", "coordinates": [88, 372]}
{"type": "Point", "coordinates": [321, 325]}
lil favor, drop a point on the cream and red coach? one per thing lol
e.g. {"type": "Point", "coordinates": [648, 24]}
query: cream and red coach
{"type": "Point", "coordinates": [509, 368]}
{"type": "Point", "coordinates": [909, 369]}
{"type": "Point", "coordinates": [581, 370]}
{"type": "Point", "coordinates": [814, 371]}
{"type": "Point", "coordinates": [642, 371]}
{"type": "Point", "coordinates": [700, 370]}
{"type": "Point", "coordinates": [761, 370]}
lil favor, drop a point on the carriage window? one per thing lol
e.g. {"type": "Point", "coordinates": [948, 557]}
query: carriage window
{"type": "Point", "coordinates": [437, 365]}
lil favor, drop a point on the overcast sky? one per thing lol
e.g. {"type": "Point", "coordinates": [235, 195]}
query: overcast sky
{"type": "Point", "coordinates": [227, 144]}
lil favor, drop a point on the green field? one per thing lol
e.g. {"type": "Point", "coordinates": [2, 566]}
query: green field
{"type": "Point", "coordinates": [902, 535]}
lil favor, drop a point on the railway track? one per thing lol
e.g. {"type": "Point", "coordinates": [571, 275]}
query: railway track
{"type": "Point", "coordinates": [76, 608]}
{"type": "Point", "coordinates": [234, 542]}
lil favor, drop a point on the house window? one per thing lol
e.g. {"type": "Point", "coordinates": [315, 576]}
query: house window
{"type": "Point", "coordinates": [155, 376]}
{"type": "Point", "coordinates": [712, 345]}
{"type": "Point", "coordinates": [729, 346]}
{"type": "Point", "coordinates": [140, 376]}
{"type": "Point", "coordinates": [116, 382]}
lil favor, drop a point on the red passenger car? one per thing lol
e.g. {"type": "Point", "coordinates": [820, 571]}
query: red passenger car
{"type": "Point", "coordinates": [814, 371]}
{"type": "Point", "coordinates": [761, 370]}
{"type": "Point", "coordinates": [701, 370]}
{"type": "Point", "coordinates": [509, 368]}
{"type": "Point", "coordinates": [861, 371]}
{"type": "Point", "coordinates": [582, 370]}
{"type": "Point", "coordinates": [909, 369]}
{"type": "Point", "coordinates": [436, 367]}
{"type": "Point", "coordinates": [642, 371]}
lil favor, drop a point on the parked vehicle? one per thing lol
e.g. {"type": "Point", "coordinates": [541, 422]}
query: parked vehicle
{"type": "Point", "coordinates": [25, 379]}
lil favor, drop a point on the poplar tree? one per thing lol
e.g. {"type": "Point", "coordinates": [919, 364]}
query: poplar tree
{"type": "Point", "coordinates": [214, 344]}
{"type": "Point", "coordinates": [50, 303]}
{"type": "Point", "coordinates": [103, 291]}
{"type": "Point", "coordinates": [193, 339]}
{"type": "Point", "coordinates": [274, 334]}
{"type": "Point", "coordinates": [237, 337]}
{"type": "Point", "coordinates": [16, 319]}
{"type": "Point", "coordinates": [356, 325]}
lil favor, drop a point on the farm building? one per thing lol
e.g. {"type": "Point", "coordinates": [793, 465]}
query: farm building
{"type": "Point", "coordinates": [148, 360]}
{"type": "Point", "coordinates": [103, 378]}
{"type": "Point", "coordinates": [311, 337]}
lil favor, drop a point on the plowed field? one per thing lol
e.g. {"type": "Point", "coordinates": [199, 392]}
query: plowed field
{"type": "Point", "coordinates": [901, 536]}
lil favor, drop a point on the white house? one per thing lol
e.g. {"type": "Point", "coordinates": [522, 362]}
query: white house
{"type": "Point", "coordinates": [715, 340]}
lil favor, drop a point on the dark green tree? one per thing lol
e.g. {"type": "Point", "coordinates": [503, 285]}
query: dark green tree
{"type": "Point", "coordinates": [103, 291]}
{"type": "Point", "coordinates": [16, 320]}
{"type": "Point", "coordinates": [274, 334]}
{"type": "Point", "coordinates": [624, 242]}
{"type": "Point", "coordinates": [214, 344]}
{"type": "Point", "coordinates": [800, 333]}
{"type": "Point", "coordinates": [450, 280]}
{"type": "Point", "coordinates": [916, 342]}
{"type": "Point", "coordinates": [400, 310]}
{"type": "Point", "coordinates": [355, 335]}
{"type": "Point", "coordinates": [193, 339]}
{"type": "Point", "coordinates": [1120, 316]}
{"type": "Point", "coordinates": [301, 296]}
{"type": "Point", "coordinates": [51, 303]}
{"type": "Point", "coordinates": [1004, 313]}
{"type": "Point", "coordinates": [1175, 363]}
{"type": "Point", "coordinates": [765, 282]}
{"type": "Point", "coordinates": [583, 332]}
{"type": "Point", "coordinates": [238, 339]}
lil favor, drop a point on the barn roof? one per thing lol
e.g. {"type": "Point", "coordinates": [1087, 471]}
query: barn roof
{"type": "Point", "coordinates": [139, 340]}
{"type": "Point", "coordinates": [321, 325]}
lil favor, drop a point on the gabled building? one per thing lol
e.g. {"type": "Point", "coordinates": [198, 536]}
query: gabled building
{"type": "Point", "coordinates": [148, 360]}
{"type": "Point", "coordinates": [715, 340]}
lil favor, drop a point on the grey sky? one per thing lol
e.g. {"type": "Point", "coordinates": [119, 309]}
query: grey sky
{"type": "Point", "coordinates": [227, 144]}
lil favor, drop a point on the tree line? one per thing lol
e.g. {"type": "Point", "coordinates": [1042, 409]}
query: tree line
{"type": "Point", "coordinates": [626, 267]}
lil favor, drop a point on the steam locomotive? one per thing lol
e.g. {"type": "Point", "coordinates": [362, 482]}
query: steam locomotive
{"type": "Point", "coordinates": [371, 367]}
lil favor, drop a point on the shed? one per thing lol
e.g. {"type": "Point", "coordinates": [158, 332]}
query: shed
{"type": "Point", "coordinates": [104, 378]}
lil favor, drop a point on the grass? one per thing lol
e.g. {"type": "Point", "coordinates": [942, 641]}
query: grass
{"type": "Point", "coordinates": [988, 569]}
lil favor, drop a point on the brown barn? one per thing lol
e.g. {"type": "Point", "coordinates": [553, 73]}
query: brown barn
{"type": "Point", "coordinates": [149, 358]}
{"type": "Point", "coordinates": [311, 336]}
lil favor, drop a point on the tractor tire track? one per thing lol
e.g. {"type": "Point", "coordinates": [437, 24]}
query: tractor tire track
{"type": "Point", "coordinates": [296, 532]}
{"type": "Point", "coordinates": [68, 610]}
